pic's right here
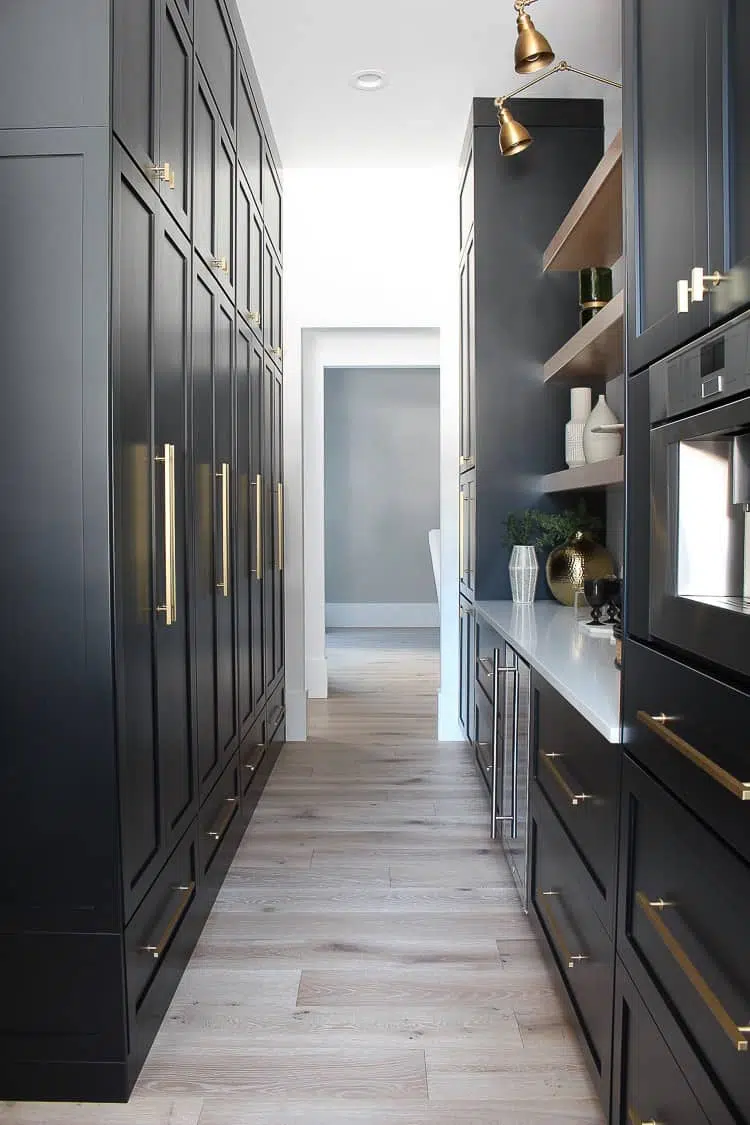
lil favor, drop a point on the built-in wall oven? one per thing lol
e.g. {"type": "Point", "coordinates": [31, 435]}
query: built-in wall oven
{"type": "Point", "coordinates": [699, 533]}
{"type": "Point", "coordinates": [503, 702]}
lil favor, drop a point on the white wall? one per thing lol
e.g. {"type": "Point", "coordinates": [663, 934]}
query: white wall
{"type": "Point", "coordinates": [368, 249]}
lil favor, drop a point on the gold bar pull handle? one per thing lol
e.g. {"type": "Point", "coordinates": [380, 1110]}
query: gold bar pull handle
{"type": "Point", "coordinates": [222, 824]}
{"type": "Point", "coordinates": [157, 949]}
{"type": "Point", "coordinates": [575, 795]}
{"type": "Point", "coordinates": [570, 959]}
{"type": "Point", "coordinates": [259, 528]}
{"type": "Point", "coordinates": [280, 523]}
{"type": "Point", "coordinates": [635, 1118]}
{"type": "Point", "coordinates": [169, 609]}
{"type": "Point", "coordinates": [223, 476]}
{"type": "Point", "coordinates": [659, 725]}
{"type": "Point", "coordinates": [652, 909]}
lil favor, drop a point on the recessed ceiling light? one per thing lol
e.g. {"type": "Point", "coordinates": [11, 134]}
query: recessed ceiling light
{"type": "Point", "coordinates": [368, 80]}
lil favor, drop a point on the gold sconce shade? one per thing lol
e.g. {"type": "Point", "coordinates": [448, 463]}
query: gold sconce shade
{"type": "Point", "coordinates": [533, 51]}
{"type": "Point", "coordinates": [514, 138]}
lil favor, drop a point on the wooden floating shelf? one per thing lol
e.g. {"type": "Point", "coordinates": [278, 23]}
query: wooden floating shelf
{"type": "Point", "coordinates": [599, 475]}
{"type": "Point", "coordinates": [596, 351]}
{"type": "Point", "coordinates": [591, 233]}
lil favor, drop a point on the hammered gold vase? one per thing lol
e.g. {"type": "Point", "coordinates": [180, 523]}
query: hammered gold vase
{"type": "Point", "coordinates": [569, 566]}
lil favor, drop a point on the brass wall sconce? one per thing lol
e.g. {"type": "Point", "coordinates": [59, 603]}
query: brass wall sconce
{"type": "Point", "coordinates": [533, 51]}
{"type": "Point", "coordinates": [514, 138]}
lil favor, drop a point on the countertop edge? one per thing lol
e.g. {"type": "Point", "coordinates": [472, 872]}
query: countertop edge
{"type": "Point", "coordinates": [609, 732]}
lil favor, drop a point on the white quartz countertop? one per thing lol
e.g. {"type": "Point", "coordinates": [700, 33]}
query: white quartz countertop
{"type": "Point", "coordinates": [581, 668]}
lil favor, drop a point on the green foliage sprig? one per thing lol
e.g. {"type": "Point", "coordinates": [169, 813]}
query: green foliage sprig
{"type": "Point", "coordinates": [546, 530]}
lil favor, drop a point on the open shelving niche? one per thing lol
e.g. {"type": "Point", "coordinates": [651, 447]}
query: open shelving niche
{"type": "Point", "coordinates": [591, 234]}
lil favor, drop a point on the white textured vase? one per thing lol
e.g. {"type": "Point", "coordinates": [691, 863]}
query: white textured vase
{"type": "Point", "coordinates": [580, 408]}
{"type": "Point", "coordinates": [601, 447]}
{"type": "Point", "coordinates": [524, 572]}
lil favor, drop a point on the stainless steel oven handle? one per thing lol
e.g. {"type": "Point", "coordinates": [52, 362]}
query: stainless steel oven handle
{"type": "Point", "coordinates": [516, 711]}
{"type": "Point", "coordinates": [497, 671]}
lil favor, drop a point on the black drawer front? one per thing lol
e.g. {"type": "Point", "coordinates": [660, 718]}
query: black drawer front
{"type": "Point", "coordinates": [252, 753]}
{"type": "Point", "coordinates": [487, 641]}
{"type": "Point", "coordinates": [708, 762]}
{"type": "Point", "coordinates": [154, 931]}
{"type": "Point", "coordinates": [218, 815]}
{"type": "Point", "coordinates": [561, 896]}
{"type": "Point", "coordinates": [275, 714]}
{"type": "Point", "coordinates": [579, 772]}
{"type": "Point", "coordinates": [683, 922]}
{"type": "Point", "coordinates": [648, 1084]}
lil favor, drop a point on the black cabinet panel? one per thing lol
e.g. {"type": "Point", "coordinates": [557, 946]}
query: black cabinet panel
{"type": "Point", "coordinates": [273, 534]}
{"type": "Point", "coordinates": [175, 114]}
{"type": "Point", "coordinates": [467, 535]}
{"type": "Point", "coordinates": [249, 257]}
{"type": "Point", "coordinates": [252, 753]}
{"type": "Point", "coordinates": [648, 1085]}
{"type": "Point", "coordinates": [249, 137]}
{"type": "Point", "coordinates": [214, 171]}
{"type": "Point", "coordinates": [272, 202]}
{"type": "Point", "coordinates": [135, 241]}
{"type": "Point", "coordinates": [224, 525]}
{"type": "Point", "coordinates": [682, 919]}
{"type": "Point", "coordinates": [579, 773]}
{"type": "Point", "coordinates": [582, 949]}
{"type": "Point", "coordinates": [175, 741]}
{"type": "Point", "coordinates": [136, 78]}
{"type": "Point", "coordinates": [204, 172]}
{"type": "Point", "coordinates": [466, 627]}
{"type": "Point", "coordinates": [217, 54]}
{"type": "Point", "coordinates": [272, 307]}
{"type": "Point", "coordinates": [467, 401]}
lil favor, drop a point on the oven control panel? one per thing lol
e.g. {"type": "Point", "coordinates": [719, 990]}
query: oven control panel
{"type": "Point", "coordinates": [708, 371]}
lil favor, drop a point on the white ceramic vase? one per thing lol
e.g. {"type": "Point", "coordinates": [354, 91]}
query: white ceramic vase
{"type": "Point", "coordinates": [580, 408]}
{"type": "Point", "coordinates": [601, 447]}
{"type": "Point", "coordinates": [524, 572]}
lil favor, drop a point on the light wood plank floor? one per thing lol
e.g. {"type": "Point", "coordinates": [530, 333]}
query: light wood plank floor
{"type": "Point", "coordinates": [367, 961]}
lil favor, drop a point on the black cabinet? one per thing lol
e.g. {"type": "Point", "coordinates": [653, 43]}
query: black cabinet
{"type": "Point", "coordinates": [142, 608]}
{"type": "Point", "coordinates": [687, 169]}
{"type": "Point", "coordinates": [212, 412]}
{"type": "Point", "coordinates": [214, 172]}
{"type": "Point", "coordinates": [467, 534]}
{"type": "Point", "coordinates": [466, 681]}
{"type": "Point", "coordinates": [467, 401]}
{"type": "Point", "coordinates": [272, 202]}
{"type": "Point", "coordinates": [272, 306]}
{"type": "Point", "coordinates": [152, 96]}
{"type": "Point", "coordinates": [249, 136]}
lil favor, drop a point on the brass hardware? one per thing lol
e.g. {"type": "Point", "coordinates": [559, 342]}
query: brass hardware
{"type": "Point", "coordinates": [165, 173]}
{"type": "Point", "coordinates": [701, 281]}
{"type": "Point", "coordinates": [219, 829]}
{"type": "Point", "coordinates": [533, 51]}
{"type": "Point", "coordinates": [259, 528]}
{"type": "Point", "coordinates": [463, 460]}
{"type": "Point", "coordinates": [278, 352]}
{"type": "Point", "coordinates": [280, 523]}
{"type": "Point", "coordinates": [223, 476]}
{"type": "Point", "coordinates": [658, 725]}
{"type": "Point", "coordinates": [570, 959]}
{"type": "Point", "coordinates": [574, 798]}
{"type": "Point", "coordinates": [636, 1119]}
{"type": "Point", "coordinates": [737, 1034]}
{"type": "Point", "coordinates": [514, 138]}
{"type": "Point", "coordinates": [169, 609]}
{"type": "Point", "coordinates": [254, 316]}
{"type": "Point", "coordinates": [220, 264]}
{"type": "Point", "coordinates": [157, 950]}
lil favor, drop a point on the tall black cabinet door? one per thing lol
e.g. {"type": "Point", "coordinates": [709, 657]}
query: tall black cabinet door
{"type": "Point", "coordinates": [135, 85]}
{"type": "Point", "coordinates": [204, 577]}
{"type": "Point", "coordinates": [217, 54]}
{"type": "Point", "coordinates": [176, 759]}
{"type": "Point", "coordinates": [249, 571]}
{"type": "Point", "coordinates": [468, 361]}
{"type": "Point", "coordinates": [664, 133]}
{"type": "Point", "coordinates": [133, 325]}
{"type": "Point", "coordinates": [214, 173]}
{"type": "Point", "coordinates": [249, 256]}
{"type": "Point", "coordinates": [249, 136]}
{"type": "Point", "coordinates": [272, 304]}
{"type": "Point", "coordinates": [728, 156]}
{"type": "Point", "coordinates": [175, 113]}
{"type": "Point", "coordinates": [224, 522]}
{"type": "Point", "coordinates": [273, 549]}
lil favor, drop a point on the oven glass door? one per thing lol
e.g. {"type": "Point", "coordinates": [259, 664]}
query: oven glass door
{"type": "Point", "coordinates": [700, 535]}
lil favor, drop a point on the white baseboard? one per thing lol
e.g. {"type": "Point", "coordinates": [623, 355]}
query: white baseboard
{"type": "Point", "coordinates": [317, 677]}
{"type": "Point", "coordinates": [389, 615]}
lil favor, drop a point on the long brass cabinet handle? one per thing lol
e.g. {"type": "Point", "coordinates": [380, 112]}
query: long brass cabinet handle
{"type": "Point", "coordinates": [223, 476]}
{"type": "Point", "coordinates": [222, 824]}
{"type": "Point", "coordinates": [575, 798]}
{"type": "Point", "coordinates": [157, 949]}
{"type": "Point", "coordinates": [169, 609]}
{"type": "Point", "coordinates": [570, 959]}
{"type": "Point", "coordinates": [635, 1118]}
{"type": "Point", "coordinates": [259, 528]}
{"type": "Point", "coordinates": [652, 909]}
{"type": "Point", "coordinates": [658, 725]}
{"type": "Point", "coordinates": [280, 523]}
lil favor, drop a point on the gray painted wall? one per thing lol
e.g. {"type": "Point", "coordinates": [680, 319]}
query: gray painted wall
{"type": "Point", "coordinates": [382, 483]}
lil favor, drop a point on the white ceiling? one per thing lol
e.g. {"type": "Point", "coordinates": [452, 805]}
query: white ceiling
{"type": "Point", "coordinates": [436, 60]}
